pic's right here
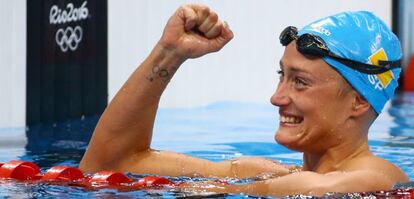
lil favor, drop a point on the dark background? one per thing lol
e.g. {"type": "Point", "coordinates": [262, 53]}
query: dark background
{"type": "Point", "coordinates": [63, 87]}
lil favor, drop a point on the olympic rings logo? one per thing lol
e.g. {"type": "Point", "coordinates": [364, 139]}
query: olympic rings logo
{"type": "Point", "coordinates": [69, 38]}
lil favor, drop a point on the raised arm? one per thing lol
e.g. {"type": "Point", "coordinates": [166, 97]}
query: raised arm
{"type": "Point", "coordinates": [125, 128]}
{"type": "Point", "coordinates": [122, 138]}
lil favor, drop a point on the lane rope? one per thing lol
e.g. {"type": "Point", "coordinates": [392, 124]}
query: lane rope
{"type": "Point", "coordinates": [66, 175]}
{"type": "Point", "coordinates": [24, 170]}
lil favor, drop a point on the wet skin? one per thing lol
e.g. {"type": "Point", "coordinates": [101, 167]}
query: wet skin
{"type": "Point", "coordinates": [320, 116]}
{"type": "Point", "coordinates": [309, 90]}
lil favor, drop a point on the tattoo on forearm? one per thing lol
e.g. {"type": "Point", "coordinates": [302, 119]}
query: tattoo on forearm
{"type": "Point", "coordinates": [160, 72]}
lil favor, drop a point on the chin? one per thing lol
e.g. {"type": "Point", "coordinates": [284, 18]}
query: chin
{"type": "Point", "coordinates": [282, 139]}
{"type": "Point", "coordinates": [287, 141]}
{"type": "Point", "coordinates": [278, 139]}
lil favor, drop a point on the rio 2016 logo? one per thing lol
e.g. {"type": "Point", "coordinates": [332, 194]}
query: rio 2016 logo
{"type": "Point", "coordinates": [68, 38]}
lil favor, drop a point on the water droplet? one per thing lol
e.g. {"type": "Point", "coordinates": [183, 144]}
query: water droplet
{"type": "Point", "coordinates": [238, 154]}
{"type": "Point", "coordinates": [234, 162]}
{"type": "Point", "coordinates": [157, 152]}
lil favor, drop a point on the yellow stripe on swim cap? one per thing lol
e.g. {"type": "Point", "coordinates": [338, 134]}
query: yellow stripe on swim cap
{"type": "Point", "coordinates": [386, 77]}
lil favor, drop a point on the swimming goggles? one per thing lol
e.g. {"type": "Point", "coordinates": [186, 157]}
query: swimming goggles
{"type": "Point", "coordinates": [314, 45]}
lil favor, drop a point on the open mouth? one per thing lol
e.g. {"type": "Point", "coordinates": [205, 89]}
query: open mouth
{"type": "Point", "coordinates": [290, 120]}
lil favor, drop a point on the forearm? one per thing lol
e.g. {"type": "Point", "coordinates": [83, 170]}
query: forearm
{"type": "Point", "coordinates": [276, 187]}
{"type": "Point", "coordinates": [252, 189]}
{"type": "Point", "coordinates": [129, 118]}
{"type": "Point", "coordinates": [305, 182]}
{"type": "Point", "coordinates": [135, 105]}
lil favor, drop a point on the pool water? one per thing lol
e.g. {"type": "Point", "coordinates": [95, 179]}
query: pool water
{"type": "Point", "coordinates": [216, 132]}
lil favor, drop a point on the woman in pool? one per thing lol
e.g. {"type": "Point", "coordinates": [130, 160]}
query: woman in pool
{"type": "Point", "coordinates": [328, 97]}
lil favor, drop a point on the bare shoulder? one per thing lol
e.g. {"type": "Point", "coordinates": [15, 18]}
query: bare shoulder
{"type": "Point", "coordinates": [375, 164]}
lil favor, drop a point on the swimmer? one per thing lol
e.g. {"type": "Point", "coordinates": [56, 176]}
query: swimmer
{"type": "Point", "coordinates": [328, 96]}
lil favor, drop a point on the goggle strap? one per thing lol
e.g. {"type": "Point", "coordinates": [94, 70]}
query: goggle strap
{"type": "Point", "coordinates": [389, 64]}
{"type": "Point", "coordinates": [368, 68]}
{"type": "Point", "coordinates": [290, 33]}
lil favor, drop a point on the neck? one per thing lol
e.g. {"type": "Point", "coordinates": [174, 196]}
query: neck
{"type": "Point", "coordinates": [335, 158]}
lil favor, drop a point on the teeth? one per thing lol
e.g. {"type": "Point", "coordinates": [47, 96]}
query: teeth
{"type": "Point", "coordinates": [288, 119]}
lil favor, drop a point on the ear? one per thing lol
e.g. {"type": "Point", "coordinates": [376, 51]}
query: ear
{"type": "Point", "coordinates": [359, 106]}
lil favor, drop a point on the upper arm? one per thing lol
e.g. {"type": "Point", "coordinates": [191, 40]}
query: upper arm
{"type": "Point", "coordinates": [347, 182]}
{"type": "Point", "coordinates": [176, 164]}
{"type": "Point", "coordinates": [156, 162]}
{"type": "Point", "coordinates": [173, 164]}
{"type": "Point", "coordinates": [311, 183]}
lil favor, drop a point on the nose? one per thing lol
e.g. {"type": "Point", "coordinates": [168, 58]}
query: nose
{"type": "Point", "coordinates": [280, 97]}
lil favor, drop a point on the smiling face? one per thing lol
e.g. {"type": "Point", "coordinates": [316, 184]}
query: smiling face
{"type": "Point", "coordinates": [313, 104]}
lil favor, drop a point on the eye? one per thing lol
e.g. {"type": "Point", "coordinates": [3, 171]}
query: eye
{"type": "Point", "coordinates": [300, 83]}
{"type": "Point", "coordinates": [281, 74]}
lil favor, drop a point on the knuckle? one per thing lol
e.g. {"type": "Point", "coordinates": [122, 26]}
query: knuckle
{"type": "Point", "coordinates": [183, 7]}
{"type": "Point", "coordinates": [205, 9]}
{"type": "Point", "coordinates": [213, 32]}
{"type": "Point", "coordinates": [180, 11]}
{"type": "Point", "coordinates": [202, 28]}
{"type": "Point", "coordinates": [213, 16]}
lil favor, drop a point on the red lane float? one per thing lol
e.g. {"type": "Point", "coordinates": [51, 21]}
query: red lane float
{"type": "Point", "coordinates": [110, 177]}
{"type": "Point", "coordinates": [63, 173]}
{"type": "Point", "coordinates": [20, 170]}
{"type": "Point", "coordinates": [23, 170]}
{"type": "Point", "coordinates": [153, 181]}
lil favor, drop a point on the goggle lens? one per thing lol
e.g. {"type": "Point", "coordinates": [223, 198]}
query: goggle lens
{"type": "Point", "coordinates": [310, 45]}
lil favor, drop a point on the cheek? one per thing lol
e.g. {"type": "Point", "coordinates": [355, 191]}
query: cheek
{"type": "Point", "coordinates": [324, 105]}
{"type": "Point", "coordinates": [325, 115]}
{"type": "Point", "coordinates": [323, 118]}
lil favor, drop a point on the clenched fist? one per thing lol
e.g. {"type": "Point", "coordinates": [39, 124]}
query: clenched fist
{"type": "Point", "coordinates": [193, 31]}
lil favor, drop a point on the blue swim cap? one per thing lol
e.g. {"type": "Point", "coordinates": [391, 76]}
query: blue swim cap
{"type": "Point", "coordinates": [363, 37]}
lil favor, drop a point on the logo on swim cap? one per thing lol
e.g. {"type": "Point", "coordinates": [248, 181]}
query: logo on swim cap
{"type": "Point", "coordinates": [319, 26]}
{"type": "Point", "coordinates": [382, 80]}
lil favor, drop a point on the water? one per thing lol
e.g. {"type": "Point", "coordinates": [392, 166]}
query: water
{"type": "Point", "coordinates": [216, 132]}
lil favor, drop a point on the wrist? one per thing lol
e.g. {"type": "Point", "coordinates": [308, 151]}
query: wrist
{"type": "Point", "coordinates": [162, 64]}
{"type": "Point", "coordinates": [170, 53]}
